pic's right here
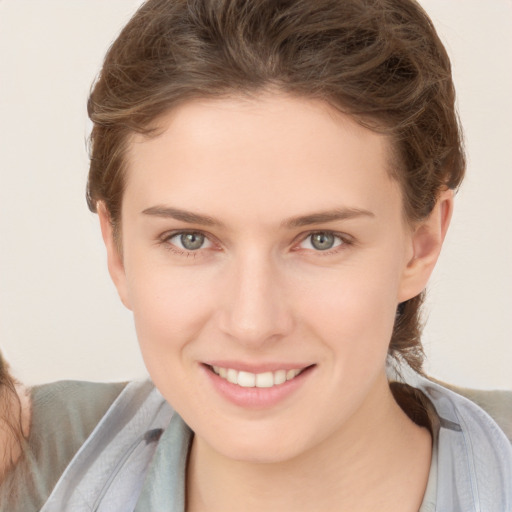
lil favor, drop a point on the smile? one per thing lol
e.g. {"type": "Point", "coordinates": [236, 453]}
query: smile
{"type": "Point", "coordinates": [256, 380]}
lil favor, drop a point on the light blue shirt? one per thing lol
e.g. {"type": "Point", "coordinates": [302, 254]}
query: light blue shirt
{"type": "Point", "coordinates": [136, 458]}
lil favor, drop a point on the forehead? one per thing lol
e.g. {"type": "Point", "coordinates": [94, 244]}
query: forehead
{"type": "Point", "coordinates": [273, 152]}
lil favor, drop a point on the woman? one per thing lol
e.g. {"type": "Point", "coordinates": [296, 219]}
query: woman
{"type": "Point", "coordinates": [274, 181]}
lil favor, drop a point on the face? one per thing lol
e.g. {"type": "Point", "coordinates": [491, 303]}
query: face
{"type": "Point", "coordinates": [264, 255]}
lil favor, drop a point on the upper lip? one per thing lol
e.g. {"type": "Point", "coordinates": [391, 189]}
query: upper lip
{"type": "Point", "coordinates": [257, 367]}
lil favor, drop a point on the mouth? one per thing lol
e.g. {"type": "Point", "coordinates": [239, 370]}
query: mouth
{"type": "Point", "coordinates": [256, 380]}
{"type": "Point", "coordinates": [263, 388]}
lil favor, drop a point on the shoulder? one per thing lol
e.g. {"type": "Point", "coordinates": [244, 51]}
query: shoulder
{"type": "Point", "coordinates": [496, 403]}
{"type": "Point", "coordinates": [71, 408]}
{"type": "Point", "coordinates": [474, 454]}
{"type": "Point", "coordinates": [63, 415]}
{"type": "Point", "coordinates": [475, 414]}
{"type": "Point", "coordinates": [110, 466]}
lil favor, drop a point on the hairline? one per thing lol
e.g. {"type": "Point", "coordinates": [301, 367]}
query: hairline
{"type": "Point", "coordinates": [154, 128]}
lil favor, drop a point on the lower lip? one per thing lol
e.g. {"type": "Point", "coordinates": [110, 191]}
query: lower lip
{"type": "Point", "coordinates": [256, 398]}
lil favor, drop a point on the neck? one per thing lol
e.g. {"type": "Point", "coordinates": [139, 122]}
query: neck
{"type": "Point", "coordinates": [378, 460]}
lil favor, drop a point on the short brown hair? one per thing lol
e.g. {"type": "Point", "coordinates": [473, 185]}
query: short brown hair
{"type": "Point", "coordinates": [380, 61]}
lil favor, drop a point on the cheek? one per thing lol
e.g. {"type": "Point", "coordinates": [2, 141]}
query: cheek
{"type": "Point", "coordinates": [353, 311]}
{"type": "Point", "coordinates": [170, 307]}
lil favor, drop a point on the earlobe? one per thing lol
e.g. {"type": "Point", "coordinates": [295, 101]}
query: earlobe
{"type": "Point", "coordinates": [114, 257]}
{"type": "Point", "coordinates": [427, 240]}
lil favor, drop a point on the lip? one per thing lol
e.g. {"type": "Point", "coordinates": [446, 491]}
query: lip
{"type": "Point", "coordinates": [256, 398]}
{"type": "Point", "coordinates": [256, 368]}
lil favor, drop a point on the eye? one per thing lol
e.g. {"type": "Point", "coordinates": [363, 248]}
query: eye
{"type": "Point", "coordinates": [190, 241]}
{"type": "Point", "coordinates": [322, 241]}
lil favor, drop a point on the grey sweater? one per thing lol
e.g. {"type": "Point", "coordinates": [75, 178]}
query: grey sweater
{"type": "Point", "coordinates": [128, 451]}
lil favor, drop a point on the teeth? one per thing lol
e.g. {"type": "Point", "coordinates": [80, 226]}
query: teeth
{"type": "Point", "coordinates": [290, 374]}
{"type": "Point", "coordinates": [279, 377]}
{"type": "Point", "coordinates": [232, 376]}
{"type": "Point", "coordinates": [264, 380]}
{"type": "Point", "coordinates": [258, 380]}
{"type": "Point", "coordinates": [246, 379]}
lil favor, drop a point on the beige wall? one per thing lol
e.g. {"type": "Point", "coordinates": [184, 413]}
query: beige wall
{"type": "Point", "coordinates": [59, 314]}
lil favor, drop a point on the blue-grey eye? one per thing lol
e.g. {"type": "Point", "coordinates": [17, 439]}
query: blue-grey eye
{"type": "Point", "coordinates": [321, 241]}
{"type": "Point", "coordinates": [192, 241]}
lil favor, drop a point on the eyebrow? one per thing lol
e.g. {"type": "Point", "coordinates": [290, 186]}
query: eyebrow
{"type": "Point", "coordinates": [294, 222]}
{"type": "Point", "coordinates": [326, 216]}
{"type": "Point", "coordinates": [183, 215]}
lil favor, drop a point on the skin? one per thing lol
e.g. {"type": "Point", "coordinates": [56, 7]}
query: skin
{"type": "Point", "coordinates": [258, 291]}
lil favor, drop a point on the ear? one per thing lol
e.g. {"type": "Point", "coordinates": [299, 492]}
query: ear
{"type": "Point", "coordinates": [426, 241]}
{"type": "Point", "coordinates": [114, 258]}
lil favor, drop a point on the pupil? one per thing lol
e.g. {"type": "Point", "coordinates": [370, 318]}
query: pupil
{"type": "Point", "coordinates": [192, 241]}
{"type": "Point", "coordinates": [322, 241]}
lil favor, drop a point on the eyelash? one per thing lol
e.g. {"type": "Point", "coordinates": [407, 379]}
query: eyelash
{"type": "Point", "coordinates": [345, 240]}
{"type": "Point", "coordinates": [164, 240]}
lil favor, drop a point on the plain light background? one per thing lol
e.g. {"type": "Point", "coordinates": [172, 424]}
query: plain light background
{"type": "Point", "coordinates": [59, 313]}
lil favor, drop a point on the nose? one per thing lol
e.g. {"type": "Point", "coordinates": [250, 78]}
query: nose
{"type": "Point", "coordinates": [255, 310]}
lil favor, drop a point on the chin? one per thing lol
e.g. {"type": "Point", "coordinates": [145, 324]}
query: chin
{"type": "Point", "coordinates": [259, 448]}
